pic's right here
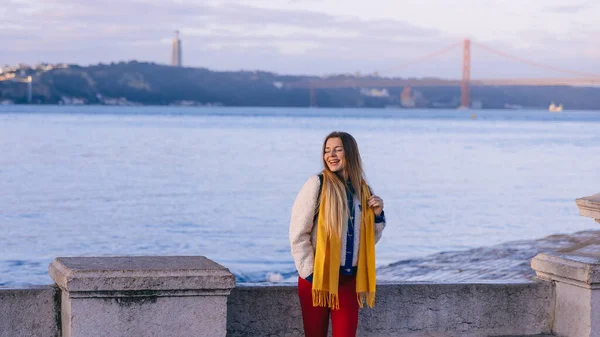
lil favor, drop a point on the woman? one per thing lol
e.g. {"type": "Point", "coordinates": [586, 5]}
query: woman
{"type": "Point", "coordinates": [334, 226]}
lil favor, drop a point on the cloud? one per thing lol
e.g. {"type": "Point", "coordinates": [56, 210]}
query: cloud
{"type": "Point", "coordinates": [571, 8]}
{"type": "Point", "coordinates": [230, 35]}
{"type": "Point", "coordinates": [62, 23]}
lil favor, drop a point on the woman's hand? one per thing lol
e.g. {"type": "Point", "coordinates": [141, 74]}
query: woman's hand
{"type": "Point", "coordinates": [376, 203]}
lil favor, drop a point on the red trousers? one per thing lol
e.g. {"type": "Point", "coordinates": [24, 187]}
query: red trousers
{"type": "Point", "coordinates": [344, 321]}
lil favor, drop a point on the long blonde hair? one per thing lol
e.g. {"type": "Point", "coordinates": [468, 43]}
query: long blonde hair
{"type": "Point", "coordinates": [333, 193]}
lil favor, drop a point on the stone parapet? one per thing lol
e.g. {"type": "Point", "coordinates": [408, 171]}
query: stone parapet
{"type": "Point", "coordinates": [142, 296]}
{"type": "Point", "coordinates": [589, 206]}
{"type": "Point", "coordinates": [576, 276]}
{"type": "Point", "coordinates": [577, 301]}
{"type": "Point", "coordinates": [578, 270]}
{"type": "Point", "coordinates": [29, 312]}
{"type": "Point", "coordinates": [406, 309]}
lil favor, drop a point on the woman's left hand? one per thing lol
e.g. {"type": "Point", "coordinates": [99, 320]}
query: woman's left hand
{"type": "Point", "coordinates": [376, 203]}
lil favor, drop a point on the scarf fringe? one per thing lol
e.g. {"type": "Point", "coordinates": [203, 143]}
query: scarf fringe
{"type": "Point", "coordinates": [323, 298]}
{"type": "Point", "coordinates": [368, 297]}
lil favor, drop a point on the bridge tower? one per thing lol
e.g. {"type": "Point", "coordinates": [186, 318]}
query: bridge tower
{"type": "Point", "coordinates": [465, 92]}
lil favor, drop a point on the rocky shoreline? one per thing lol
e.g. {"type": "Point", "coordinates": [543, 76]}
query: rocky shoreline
{"type": "Point", "coordinates": [506, 262]}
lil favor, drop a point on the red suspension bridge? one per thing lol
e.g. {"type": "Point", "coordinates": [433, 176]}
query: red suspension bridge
{"type": "Point", "coordinates": [576, 78]}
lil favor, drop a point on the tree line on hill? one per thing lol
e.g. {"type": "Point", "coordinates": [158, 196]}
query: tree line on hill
{"type": "Point", "coordinates": [133, 83]}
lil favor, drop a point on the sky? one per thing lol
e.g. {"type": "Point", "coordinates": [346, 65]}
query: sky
{"type": "Point", "coordinates": [317, 37]}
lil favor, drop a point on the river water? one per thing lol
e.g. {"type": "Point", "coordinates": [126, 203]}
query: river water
{"type": "Point", "coordinates": [220, 182]}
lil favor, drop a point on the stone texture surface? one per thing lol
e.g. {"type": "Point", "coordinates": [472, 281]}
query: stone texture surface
{"type": "Point", "coordinates": [139, 272]}
{"type": "Point", "coordinates": [580, 270]}
{"type": "Point", "coordinates": [573, 309]}
{"type": "Point", "coordinates": [184, 316]}
{"type": "Point", "coordinates": [29, 312]}
{"type": "Point", "coordinates": [577, 283]}
{"type": "Point", "coordinates": [409, 309]}
{"type": "Point", "coordinates": [589, 206]}
{"type": "Point", "coordinates": [142, 296]}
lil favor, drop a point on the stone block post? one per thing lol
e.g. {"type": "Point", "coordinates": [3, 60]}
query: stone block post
{"type": "Point", "coordinates": [142, 296]}
{"type": "Point", "coordinates": [590, 207]}
{"type": "Point", "coordinates": [577, 281]}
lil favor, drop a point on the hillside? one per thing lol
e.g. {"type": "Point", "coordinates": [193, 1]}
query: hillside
{"type": "Point", "coordinates": [136, 83]}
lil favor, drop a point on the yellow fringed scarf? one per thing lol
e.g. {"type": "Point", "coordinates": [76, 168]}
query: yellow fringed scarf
{"type": "Point", "coordinates": [327, 260]}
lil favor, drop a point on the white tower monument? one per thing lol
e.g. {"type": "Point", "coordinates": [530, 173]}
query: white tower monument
{"type": "Point", "coordinates": [176, 55]}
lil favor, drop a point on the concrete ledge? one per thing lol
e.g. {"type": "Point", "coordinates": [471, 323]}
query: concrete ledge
{"type": "Point", "coordinates": [407, 309]}
{"type": "Point", "coordinates": [582, 271]}
{"type": "Point", "coordinates": [29, 312]}
{"type": "Point", "coordinates": [589, 206]}
{"type": "Point", "coordinates": [134, 273]}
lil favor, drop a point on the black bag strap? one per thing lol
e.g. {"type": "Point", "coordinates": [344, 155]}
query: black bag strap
{"type": "Point", "coordinates": [318, 196]}
{"type": "Point", "coordinates": [320, 184]}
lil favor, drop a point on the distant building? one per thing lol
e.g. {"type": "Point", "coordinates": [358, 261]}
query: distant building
{"type": "Point", "coordinates": [176, 55]}
{"type": "Point", "coordinates": [43, 67]}
{"type": "Point", "coordinates": [374, 92]}
{"type": "Point", "coordinates": [406, 98]}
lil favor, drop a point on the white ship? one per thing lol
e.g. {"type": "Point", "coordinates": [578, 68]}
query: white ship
{"type": "Point", "coordinates": [555, 108]}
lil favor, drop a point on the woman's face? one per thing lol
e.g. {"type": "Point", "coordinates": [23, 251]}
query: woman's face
{"type": "Point", "coordinates": [334, 155]}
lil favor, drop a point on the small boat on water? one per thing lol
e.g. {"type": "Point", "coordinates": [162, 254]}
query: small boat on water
{"type": "Point", "coordinates": [555, 108]}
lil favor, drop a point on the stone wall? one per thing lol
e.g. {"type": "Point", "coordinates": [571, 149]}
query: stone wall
{"type": "Point", "coordinates": [29, 312]}
{"type": "Point", "coordinates": [409, 309]}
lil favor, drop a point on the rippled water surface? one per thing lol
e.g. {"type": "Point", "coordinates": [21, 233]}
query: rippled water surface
{"type": "Point", "coordinates": [220, 182]}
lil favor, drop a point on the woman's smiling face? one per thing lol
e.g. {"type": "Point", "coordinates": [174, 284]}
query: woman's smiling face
{"type": "Point", "coordinates": [334, 155]}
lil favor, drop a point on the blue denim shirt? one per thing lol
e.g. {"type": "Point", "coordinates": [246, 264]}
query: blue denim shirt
{"type": "Point", "coordinates": [348, 269]}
